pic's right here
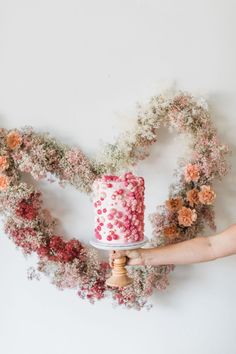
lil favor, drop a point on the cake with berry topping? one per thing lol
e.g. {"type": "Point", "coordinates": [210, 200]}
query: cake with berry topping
{"type": "Point", "coordinates": [119, 209]}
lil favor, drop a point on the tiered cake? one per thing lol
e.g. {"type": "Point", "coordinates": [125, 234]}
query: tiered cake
{"type": "Point", "coordinates": [119, 209]}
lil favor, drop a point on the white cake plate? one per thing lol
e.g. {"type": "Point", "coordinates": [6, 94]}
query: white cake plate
{"type": "Point", "coordinates": [104, 246]}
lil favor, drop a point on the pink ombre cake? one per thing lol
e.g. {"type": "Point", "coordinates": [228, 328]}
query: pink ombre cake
{"type": "Point", "coordinates": [119, 209]}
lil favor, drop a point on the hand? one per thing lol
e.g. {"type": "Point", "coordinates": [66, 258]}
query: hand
{"type": "Point", "coordinates": [134, 257]}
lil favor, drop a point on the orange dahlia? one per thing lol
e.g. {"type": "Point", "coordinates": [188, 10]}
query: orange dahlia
{"type": "Point", "coordinates": [206, 195]}
{"type": "Point", "coordinates": [171, 231]}
{"type": "Point", "coordinates": [13, 140]}
{"type": "Point", "coordinates": [187, 216]}
{"type": "Point", "coordinates": [4, 182]}
{"type": "Point", "coordinates": [191, 173]}
{"type": "Point", "coordinates": [174, 204]}
{"type": "Point", "coordinates": [192, 197]}
{"type": "Point", "coordinates": [4, 163]}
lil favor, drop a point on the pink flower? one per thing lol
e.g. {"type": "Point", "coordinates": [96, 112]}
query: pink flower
{"type": "Point", "coordinates": [26, 210]}
{"type": "Point", "coordinates": [187, 216]}
{"type": "Point", "coordinates": [26, 238]}
{"type": "Point", "coordinates": [206, 195]}
{"type": "Point", "coordinates": [191, 173]}
{"type": "Point", "coordinates": [59, 250]}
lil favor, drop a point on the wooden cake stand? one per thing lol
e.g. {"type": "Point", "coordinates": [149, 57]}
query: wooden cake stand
{"type": "Point", "coordinates": [119, 277]}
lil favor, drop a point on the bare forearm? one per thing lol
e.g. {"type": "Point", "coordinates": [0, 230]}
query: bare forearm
{"type": "Point", "coordinates": [199, 249]}
{"type": "Point", "coordinates": [191, 251]}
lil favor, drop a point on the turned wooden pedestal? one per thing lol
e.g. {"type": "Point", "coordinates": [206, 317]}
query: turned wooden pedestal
{"type": "Point", "coordinates": [119, 277]}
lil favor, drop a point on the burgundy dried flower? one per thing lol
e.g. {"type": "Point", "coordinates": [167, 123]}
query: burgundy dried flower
{"type": "Point", "coordinates": [28, 208]}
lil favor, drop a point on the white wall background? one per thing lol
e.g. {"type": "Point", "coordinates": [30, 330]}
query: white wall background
{"type": "Point", "coordinates": [75, 68]}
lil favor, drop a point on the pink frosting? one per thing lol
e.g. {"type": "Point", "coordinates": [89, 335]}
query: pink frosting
{"type": "Point", "coordinates": [119, 208]}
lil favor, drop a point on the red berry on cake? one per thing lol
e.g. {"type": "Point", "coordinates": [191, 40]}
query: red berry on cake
{"type": "Point", "coordinates": [115, 237]}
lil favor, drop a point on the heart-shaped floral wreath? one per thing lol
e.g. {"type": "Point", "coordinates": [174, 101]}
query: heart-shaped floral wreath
{"type": "Point", "coordinates": [71, 264]}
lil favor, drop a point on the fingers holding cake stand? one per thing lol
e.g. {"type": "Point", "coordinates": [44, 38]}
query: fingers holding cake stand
{"type": "Point", "coordinates": [119, 277]}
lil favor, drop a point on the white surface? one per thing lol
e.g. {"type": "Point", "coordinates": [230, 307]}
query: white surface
{"type": "Point", "coordinates": [73, 68]}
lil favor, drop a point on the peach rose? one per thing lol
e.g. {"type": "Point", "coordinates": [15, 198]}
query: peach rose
{"type": "Point", "coordinates": [171, 231]}
{"type": "Point", "coordinates": [13, 140]}
{"type": "Point", "coordinates": [4, 163]}
{"type": "Point", "coordinates": [187, 216]}
{"type": "Point", "coordinates": [4, 182]}
{"type": "Point", "coordinates": [174, 204]}
{"type": "Point", "coordinates": [192, 197]}
{"type": "Point", "coordinates": [206, 195]}
{"type": "Point", "coordinates": [191, 173]}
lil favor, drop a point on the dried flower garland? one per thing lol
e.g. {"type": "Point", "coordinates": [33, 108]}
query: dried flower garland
{"type": "Point", "coordinates": [71, 264]}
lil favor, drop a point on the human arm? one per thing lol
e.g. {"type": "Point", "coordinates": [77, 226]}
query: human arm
{"type": "Point", "coordinates": [196, 250]}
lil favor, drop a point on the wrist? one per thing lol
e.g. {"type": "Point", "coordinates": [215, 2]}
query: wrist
{"type": "Point", "coordinates": [145, 255]}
